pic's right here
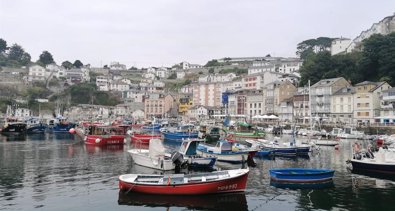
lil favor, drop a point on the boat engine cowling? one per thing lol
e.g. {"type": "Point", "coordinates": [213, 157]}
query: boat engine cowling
{"type": "Point", "coordinates": [178, 160]}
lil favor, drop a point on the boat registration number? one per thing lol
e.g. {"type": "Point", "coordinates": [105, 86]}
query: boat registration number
{"type": "Point", "coordinates": [112, 142]}
{"type": "Point", "coordinates": [227, 187]}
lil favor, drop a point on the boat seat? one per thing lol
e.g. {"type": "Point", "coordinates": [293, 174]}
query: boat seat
{"type": "Point", "coordinates": [151, 180]}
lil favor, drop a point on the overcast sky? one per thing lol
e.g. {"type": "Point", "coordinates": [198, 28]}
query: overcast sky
{"type": "Point", "coordinates": [164, 32]}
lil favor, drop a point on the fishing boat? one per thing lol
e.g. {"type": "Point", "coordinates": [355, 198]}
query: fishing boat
{"type": "Point", "coordinates": [34, 125]}
{"type": "Point", "coordinates": [60, 125]}
{"type": "Point", "coordinates": [225, 152]}
{"type": "Point", "coordinates": [155, 156]}
{"type": "Point", "coordinates": [144, 138]}
{"type": "Point", "coordinates": [13, 126]}
{"type": "Point", "coordinates": [181, 184]}
{"type": "Point", "coordinates": [150, 127]}
{"type": "Point", "coordinates": [381, 162]}
{"type": "Point", "coordinates": [188, 149]}
{"type": "Point", "coordinates": [287, 148]}
{"type": "Point", "coordinates": [179, 135]}
{"type": "Point", "coordinates": [100, 135]}
{"type": "Point", "coordinates": [301, 175]}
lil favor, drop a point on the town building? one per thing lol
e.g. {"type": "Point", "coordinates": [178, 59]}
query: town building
{"type": "Point", "coordinates": [157, 105]}
{"type": "Point", "coordinates": [255, 103]}
{"type": "Point", "coordinates": [387, 111]}
{"type": "Point", "coordinates": [301, 108]}
{"type": "Point", "coordinates": [340, 45]}
{"type": "Point", "coordinates": [367, 101]}
{"type": "Point", "coordinates": [277, 92]}
{"type": "Point", "coordinates": [342, 105]}
{"type": "Point", "coordinates": [206, 94]}
{"type": "Point", "coordinates": [321, 93]}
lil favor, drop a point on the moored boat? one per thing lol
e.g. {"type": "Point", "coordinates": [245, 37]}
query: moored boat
{"type": "Point", "coordinates": [301, 175]}
{"type": "Point", "coordinates": [180, 184]}
{"type": "Point", "coordinates": [155, 157]}
{"type": "Point", "coordinates": [60, 125]}
{"type": "Point", "coordinates": [34, 125]}
{"type": "Point", "coordinates": [382, 162]}
{"type": "Point", "coordinates": [104, 135]}
{"type": "Point", "coordinates": [188, 149]}
{"type": "Point", "coordinates": [178, 135]}
{"type": "Point", "coordinates": [224, 152]}
{"type": "Point", "coordinates": [13, 126]}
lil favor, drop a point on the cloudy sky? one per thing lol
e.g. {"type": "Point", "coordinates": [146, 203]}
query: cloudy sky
{"type": "Point", "coordinates": [164, 32]}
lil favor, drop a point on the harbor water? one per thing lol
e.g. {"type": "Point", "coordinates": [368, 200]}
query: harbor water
{"type": "Point", "coordinates": [59, 172]}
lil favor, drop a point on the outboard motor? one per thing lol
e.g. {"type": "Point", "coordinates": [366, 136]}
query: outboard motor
{"type": "Point", "coordinates": [178, 160]}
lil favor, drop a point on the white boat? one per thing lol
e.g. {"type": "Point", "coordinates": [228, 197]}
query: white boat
{"type": "Point", "coordinates": [325, 142]}
{"type": "Point", "coordinates": [224, 152]}
{"type": "Point", "coordinates": [188, 150]}
{"type": "Point", "coordinates": [350, 133]}
{"type": "Point", "coordinates": [155, 157]}
{"type": "Point", "coordinates": [381, 162]}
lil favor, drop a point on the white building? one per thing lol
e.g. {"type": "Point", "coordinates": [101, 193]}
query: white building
{"type": "Point", "coordinates": [340, 45]}
{"type": "Point", "coordinates": [22, 112]}
{"type": "Point", "coordinates": [37, 73]}
{"type": "Point", "coordinates": [180, 74]}
{"type": "Point", "coordinates": [57, 71]}
{"type": "Point", "coordinates": [217, 77]}
{"type": "Point", "coordinates": [117, 66]}
{"type": "Point", "coordinates": [138, 114]}
{"type": "Point", "coordinates": [137, 96]}
{"type": "Point", "coordinates": [187, 66]}
{"type": "Point", "coordinates": [119, 86]}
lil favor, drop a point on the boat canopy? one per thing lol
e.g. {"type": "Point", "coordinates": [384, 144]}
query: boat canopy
{"type": "Point", "coordinates": [156, 148]}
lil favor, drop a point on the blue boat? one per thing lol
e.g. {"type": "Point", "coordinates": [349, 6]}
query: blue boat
{"type": "Point", "coordinates": [60, 125]}
{"type": "Point", "coordinates": [154, 127]}
{"type": "Point", "coordinates": [34, 126]}
{"type": "Point", "coordinates": [179, 136]}
{"type": "Point", "coordinates": [301, 175]}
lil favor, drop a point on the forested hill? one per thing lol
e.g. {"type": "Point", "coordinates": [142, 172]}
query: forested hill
{"type": "Point", "coordinates": [376, 62]}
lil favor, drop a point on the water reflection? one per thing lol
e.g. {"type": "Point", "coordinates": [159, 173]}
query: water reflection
{"type": "Point", "coordinates": [13, 137]}
{"type": "Point", "coordinates": [234, 201]}
{"type": "Point", "coordinates": [328, 184]}
{"type": "Point", "coordinates": [106, 148]}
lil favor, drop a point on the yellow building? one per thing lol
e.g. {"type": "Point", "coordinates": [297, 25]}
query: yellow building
{"type": "Point", "coordinates": [184, 103]}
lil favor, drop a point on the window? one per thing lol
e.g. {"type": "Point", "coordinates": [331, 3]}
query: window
{"type": "Point", "coordinates": [358, 105]}
{"type": "Point", "coordinates": [341, 100]}
{"type": "Point", "coordinates": [358, 113]}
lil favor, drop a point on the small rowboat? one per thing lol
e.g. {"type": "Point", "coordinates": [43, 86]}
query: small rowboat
{"type": "Point", "coordinates": [301, 175]}
{"type": "Point", "coordinates": [180, 184]}
{"type": "Point", "coordinates": [144, 138]}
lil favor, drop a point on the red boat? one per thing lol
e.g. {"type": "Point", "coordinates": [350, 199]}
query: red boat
{"type": "Point", "coordinates": [180, 184]}
{"type": "Point", "coordinates": [105, 135]}
{"type": "Point", "coordinates": [144, 138]}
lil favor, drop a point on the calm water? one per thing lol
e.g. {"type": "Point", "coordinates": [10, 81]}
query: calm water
{"type": "Point", "coordinates": [48, 172]}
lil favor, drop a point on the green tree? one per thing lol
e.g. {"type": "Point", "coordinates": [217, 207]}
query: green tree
{"type": "Point", "coordinates": [307, 47]}
{"type": "Point", "coordinates": [78, 64]}
{"type": "Point", "coordinates": [16, 52]}
{"type": "Point", "coordinates": [67, 64]}
{"type": "Point", "coordinates": [17, 56]}
{"type": "Point", "coordinates": [3, 45]}
{"type": "Point", "coordinates": [212, 63]}
{"type": "Point", "coordinates": [211, 70]}
{"type": "Point", "coordinates": [46, 58]}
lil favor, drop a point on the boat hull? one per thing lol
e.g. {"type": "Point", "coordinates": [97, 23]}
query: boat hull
{"type": "Point", "coordinates": [297, 175]}
{"type": "Point", "coordinates": [141, 157]}
{"type": "Point", "coordinates": [360, 165]}
{"type": "Point", "coordinates": [62, 128]}
{"type": "Point", "coordinates": [178, 136]}
{"type": "Point", "coordinates": [14, 128]}
{"type": "Point", "coordinates": [36, 129]}
{"type": "Point", "coordinates": [234, 184]}
{"type": "Point", "coordinates": [143, 138]}
{"type": "Point", "coordinates": [103, 140]}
